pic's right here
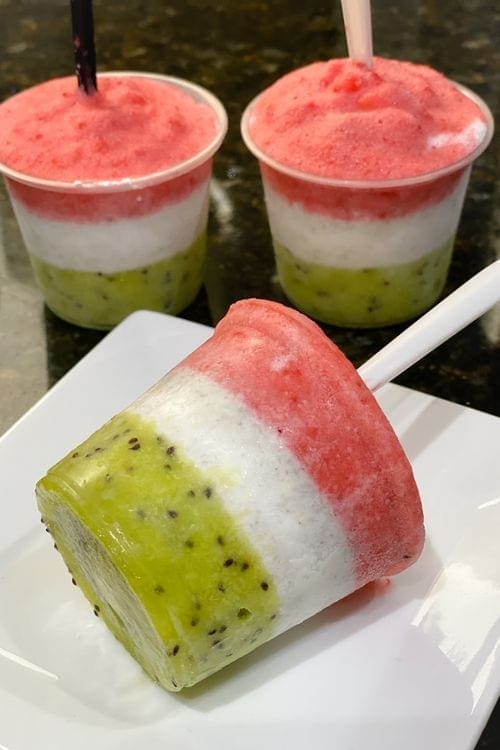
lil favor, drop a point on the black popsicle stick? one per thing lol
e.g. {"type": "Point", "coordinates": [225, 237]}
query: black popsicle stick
{"type": "Point", "coordinates": [82, 18]}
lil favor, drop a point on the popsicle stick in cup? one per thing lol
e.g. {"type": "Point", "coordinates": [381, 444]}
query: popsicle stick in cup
{"type": "Point", "coordinates": [358, 30]}
{"type": "Point", "coordinates": [456, 311]}
{"type": "Point", "coordinates": [82, 18]}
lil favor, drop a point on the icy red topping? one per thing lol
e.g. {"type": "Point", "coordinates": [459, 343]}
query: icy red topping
{"type": "Point", "coordinates": [132, 127]}
{"type": "Point", "coordinates": [340, 119]}
{"type": "Point", "coordinates": [315, 400]}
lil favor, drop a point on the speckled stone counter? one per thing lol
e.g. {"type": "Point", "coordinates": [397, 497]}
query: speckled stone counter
{"type": "Point", "coordinates": [236, 49]}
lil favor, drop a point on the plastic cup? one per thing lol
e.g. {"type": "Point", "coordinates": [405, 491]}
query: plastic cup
{"type": "Point", "coordinates": [364, 254]}
{"type": "Point", "coordinates": [102, 249]}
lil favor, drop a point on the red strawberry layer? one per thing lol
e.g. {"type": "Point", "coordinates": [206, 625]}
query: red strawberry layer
{"type": "Point", "coordinates": [300, 384]}
{"type": "Point", "coordinates": [87, 207]}
{"type": "Point", "coordinates": [133, 126]}
{"type": "Point", "coordinates": [353, 204]}
{"type": "Point", "coordinates": [343, 120]}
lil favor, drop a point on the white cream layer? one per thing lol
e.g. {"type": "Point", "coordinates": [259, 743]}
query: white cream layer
{"type": "Point", "coordinates": [120, 245]}
{"type": "Point", "coordinates": [262, 485]}
{"type": "Point", "coordinates": [469, 138]}
{"type": "Point", "coordinates": [364, 243]}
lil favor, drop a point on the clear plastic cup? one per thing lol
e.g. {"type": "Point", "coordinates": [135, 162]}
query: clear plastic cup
{"type": "Point", "coordinates": [102, 249]}
{"type": "Point", "coordinates": [364, 254]}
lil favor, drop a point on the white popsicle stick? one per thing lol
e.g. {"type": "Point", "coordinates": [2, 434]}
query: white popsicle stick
{"type": "Point", "coordinates": [358, 30]}
{"type": "Point", "coordinates": [460, 308]}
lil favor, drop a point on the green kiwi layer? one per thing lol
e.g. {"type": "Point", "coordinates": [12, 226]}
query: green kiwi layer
{"type": "Point", "coordinates": [152, 547]}
{"type": "Point", "coordinates": [101, 300]}
{"type": "Point", "coordinates": [364, 297]}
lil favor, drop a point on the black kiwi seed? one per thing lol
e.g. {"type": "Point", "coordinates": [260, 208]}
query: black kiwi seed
{"type": "Point", "coordinates": [189, 543]}
{"type": "Point", "coordinates": [222, 628]}
{"type": "Point", "coordinates": [141, 513]}
{"type": "Point", "coordinates": [221, 587]}
{"type": "Point", "coordinates": [174, 683]}
{"type": "Point", "coordinates": [55, 546]}
{"type": "Point", "coordinates": [245, 566]}
{"type": "Point", "coordinates": [133, 440]}
{"type": "Point", "coordinates": [212, 632]}
{"type": "Point", "coordinates": [171, 450]}
{"type": "Point", "coordinates": [220, 540]}
{"type": "Point", "coordinates": [194, 622]}
{"type": "Point", "coordinates": [159, 439]}
{"type": "Point", "coordinates": [159, 589]}
{"type": "Point", "coordinates": [207, 492]}
{"type": "Point", "coordinates": [47, 530]}
{"type": "Point", "coordinates": [191, 493]}
{"type": "Point", "coordinates": [75, 454]}
{"type": "Point", "coordinates": [273, 617]}
{"type": "Point", "coordinates": [172, 513]}
{"type": "Point", "coordinates": [73, 582]}
{"type": "Point", "coordinates": [175, 650]}
{"type": "Point", "coordinates": [41, 519]}
{"type": "Point", "coordinates": [243, 613]}
{"type": "Point", "coordinates": [264, 585]}
{"type": "Point", "coordinates": [228, 562]}
{"type": "Point", "coordinates": [216, 642]}
{"type": "Point", "coordinates": [135, 447]}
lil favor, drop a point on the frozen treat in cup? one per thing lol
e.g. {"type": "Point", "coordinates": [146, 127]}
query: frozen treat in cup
{"type": "Point", "coordinates": [364, 170]}
{"type": "Point", "coordinates": [111, 191]}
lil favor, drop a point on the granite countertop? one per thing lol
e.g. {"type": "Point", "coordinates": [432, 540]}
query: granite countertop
{"type": "Point", "coordinates": [243, 48]}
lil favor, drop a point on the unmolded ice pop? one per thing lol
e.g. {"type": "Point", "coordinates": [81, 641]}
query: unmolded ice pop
{"type": "Point", "coordinates": [255, 484]}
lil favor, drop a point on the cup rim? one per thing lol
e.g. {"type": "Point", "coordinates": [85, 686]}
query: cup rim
{"type": "Point", "coordinates": [134, 183]}
{"type": "Point", "coordinates": [372, 184]}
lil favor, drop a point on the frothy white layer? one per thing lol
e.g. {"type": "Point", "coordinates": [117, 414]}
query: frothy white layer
{"type": "Point", "coordinates": [365, 243]}
{"type": "Point", "coordinates": [120, 245]}
{"type": "Point", "coordinates": [262, 485]}
{"type": "Point", "coordinates": [469, 138]}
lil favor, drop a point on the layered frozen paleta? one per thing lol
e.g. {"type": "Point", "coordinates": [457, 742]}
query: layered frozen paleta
{"type": "Point", "coordinates": [254, 485]}
{"type": "Point", "coordinates": [364, 174]}
{"type": "Point", "coordinates": [111, 192]}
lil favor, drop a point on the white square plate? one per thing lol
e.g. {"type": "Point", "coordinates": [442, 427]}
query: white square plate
{"type": "Point", "coordinates": [415, 664]}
